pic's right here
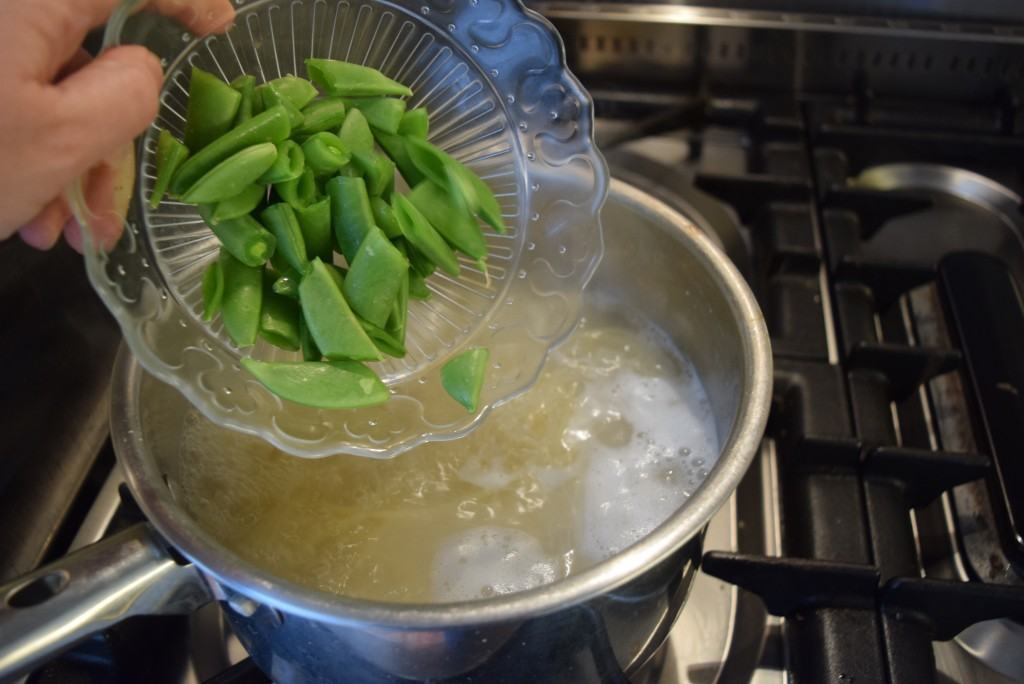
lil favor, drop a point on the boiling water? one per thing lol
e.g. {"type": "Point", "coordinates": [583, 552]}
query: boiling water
{"type": "Point", "coordinates": [614, 437]}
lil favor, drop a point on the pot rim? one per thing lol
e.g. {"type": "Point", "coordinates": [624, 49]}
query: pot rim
{"type": "Point", "coordinates": [241, 576]}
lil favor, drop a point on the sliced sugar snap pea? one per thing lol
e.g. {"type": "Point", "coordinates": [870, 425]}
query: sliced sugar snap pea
{"type": "Point", "coordinates": [463, 376]}
{"type": "Point", "coordinates": [280, 220]}
{"type": "Point", "coordinates": [287, 284]}
{"type": "Point", "coordinates": [322, 115]}
{"type": "Point", "coordinates": [242, 204]}
{"type": "Point", "coordinates": [279, 321]}
{"type": "Point", "coordinates": [422, 236]}
{"type": "Point", "coordinates": [384, 217]}
{"type": "Point", "coordinates": [420, 263]}
{"type": "Point", "coordinates": [288, 165]}
{"type": "Point", "coordinates": [417, 286]}
{"type": "Point", "coordinates": [213, 289]}
{"type": "Point", "coordinates": [212, 107]}
{"type": "Point", "coordinates": [170, 154]}
{"type": "Point", "coordinates": [351, 214]}
{"type": "Point", "coordinates": [375, 277]}
{"type": "Point", "coordinates": [271, 96]}
{"type": "Point", "coordinates": [395, 147]}
{"type": "Point", "coordinates": [271, 126]}
{"type": "Point", "coordinates": [299, 91]}
{"type": "Point", "coordinates": [315, 222]}
{"type": "Point", "coordinates": [386, 341]}
{"type": "Point", "coordinates": [415, 123]}
{"type": "Point", "coordinates": [465, 189]}
{"type": "Point", "coordinates": [379, 173]}
{"type": "Point", "coordinates": [243, 238]}
{"type": "Point", "coordinates": [331, 322]}
{"type": "Point", "coordinates": [298, 192]}
{"type": "Point", "coordinates": [232, 176]}
{"type": "Point", "coordinates": [487, 206]}
{"type": "Point", "coordinates": [242, 301]}
{"type": "Point", "coordinates": [352, 80]}
{"type": "Point", "coordinates": [399, 316]}
{"type": "Point", "coordinates": [310, 352]}
{"type": "Point", "coordinates": [325, 152]}
{"type": "Point", "coordinates": [457, 227]}
{"type": "Point", "coordinates": [330, 385]}
{"type": "Point", "coordinates": [355, 133]}
{"type": "Point", "coordinates": [246, 87]}
{"type": "Point", "coordinates": [382, 113]}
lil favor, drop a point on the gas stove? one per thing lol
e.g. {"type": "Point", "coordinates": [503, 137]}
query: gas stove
{"type": "Point", "coordinates": [864, 173]}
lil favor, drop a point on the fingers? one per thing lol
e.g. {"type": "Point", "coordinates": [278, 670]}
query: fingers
{"type": "Point", "coordinates": [107, 194]}
{"type": "Point", "coordinates": [104, 106]}
{"type": "Point", "coordinates": [199, 16]}
{"type": "Point", "coordinates": [77, 61]}
{"type": "Point", "coordinates": [43, 231]}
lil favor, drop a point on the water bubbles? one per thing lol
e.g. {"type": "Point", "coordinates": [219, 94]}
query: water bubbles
{"type": "Point", "coordinates": [494, 73]}
{"type": "Point", "coordinates": [535, 217]}
{"type": "Point", "coordinates": [510, 98]}
{"type": "Point", "coordinates": [523, 126]}
{"type": "Point", "coordinates": [424, 10]}
{"type": "Point", "coordinates": [562, 249]}
{"type": "Point", "coordinates": [185, 37]}
{"type": "Point", "coordinates": [474, 48]}
{"type": "Point", "coordinates": [530, 246]}
{"type": "Point", "coordinates": [531, 156]}
{"type": "Point", "coordinates": [121, 270]}
{"type": "Point", "coordinates": [535, 187]}
{"type": "Point", "coordinates": [522, 274]}
{"type": "Point", "coordinates": [451, 28]}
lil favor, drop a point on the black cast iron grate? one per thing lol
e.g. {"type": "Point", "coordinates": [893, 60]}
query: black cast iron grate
{"type": "Point", "coordinates": [849, 417]}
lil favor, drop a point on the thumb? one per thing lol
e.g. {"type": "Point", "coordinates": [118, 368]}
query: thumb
{"type": "Point", "coordinates": [109, 102]}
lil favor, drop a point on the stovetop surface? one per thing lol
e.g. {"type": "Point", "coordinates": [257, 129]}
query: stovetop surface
{"type": "Point", "coordinates": [876, 539]}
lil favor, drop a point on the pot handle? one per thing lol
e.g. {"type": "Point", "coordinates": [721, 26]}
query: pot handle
{"type": "Point", "coordinates": [58, 605]}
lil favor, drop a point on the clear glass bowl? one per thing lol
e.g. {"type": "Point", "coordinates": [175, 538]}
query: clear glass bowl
{"type": "Point", "coordinates": [501, 99]}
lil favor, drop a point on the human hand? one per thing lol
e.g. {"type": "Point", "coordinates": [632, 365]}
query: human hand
{"type": "Point", "coordinates": [64, 115]}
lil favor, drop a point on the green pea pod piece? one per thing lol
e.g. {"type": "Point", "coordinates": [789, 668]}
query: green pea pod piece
{"type": "Point", "coordinates": [298, 192]}
{"type": "Point", "coordinates": [280, 220]}
{"type": "Point", "coordinates": [242, 301]}
{"type": "Point", "coordinates": [399, 316]}
{"type": "Point", "coordinates": [380, 176]}
{"type": "Point", "coordinates": [271, 96]}
{"type": "Point", "coordinates": [322, 115]}
{"type": "Point", "coordinates": [395, 147]}
{"type": "Point", "coordinates": [352, 80]}
{"type": "Point", "coordinates": [382, 113]}
{"type": "Point", "coordinates": [375, 277]}
{"type": "Point", "coordinates": [457, 227]}
{"type": "Point", "coordinates": [487, 206]}
{"type": "Point", "coordinates": [338, 274]}
{"type": "Point", "coordinates": [351, 214]}
{"type": "Point", "coordinates": [242, 204]}
{"type": "Point", "coordinates": [331, 385]}
{"type": "Point", "coordinates": [463, 186]}
{"type": "Point", "coordinates": [419, 263]}
{"type": "Point", "coordinates": [422, 236]}
{"type": "Point", "coordinates": [279, 321]}
{"type": "Point", "coordinates": [310, 352]}
{"type": "Point", "coordinates": [288, 165]}
{"type": "Point", "coordinates": [271, 126]}
{"type": "Point", "coordinates": [299, 91]}
{"type": "Point", "coordinates": [170, 155]}
{"type": "Point", "coordinates": [384, 217]}
{"type": "Point", "coordinates": [212, 107]}
{"type": "Point", "coordinates": [315, 222]}
{"type": "Point", "coordinates": [213, 289]}
{"type": "Point", "coordinates": [463, 376]}
{"type": "Point", "coordinates": [355, 133]}
{"type": "Point", "coordinates": [232, 176]}
{"type": "Point", "coordinates": [325, 152]}
{"type": "Point", "coordinates": [246, 86]}
{"type": "Point", "coordinates": [415, 123]}
{"type": "Point", "coordinates": [417, 287]}
{"type": "Point", "coordinates": [243, 238]}
{"type": "Point", "coordinates": [331, 322]}
{"type": "Point", "coordinates": [385, 340]}
{"type": "Point", "coordinates": [287, 284]}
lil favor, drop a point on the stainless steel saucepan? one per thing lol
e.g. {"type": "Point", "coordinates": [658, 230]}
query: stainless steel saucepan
{"type": "Point", "coordinates": [601, 624]}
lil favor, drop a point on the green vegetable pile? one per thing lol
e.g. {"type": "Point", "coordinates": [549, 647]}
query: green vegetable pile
{"type": "Point", "coordinates": [290, 172]}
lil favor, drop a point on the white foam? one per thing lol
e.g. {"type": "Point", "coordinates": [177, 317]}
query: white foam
{"type": "Point", "coordinates": [490, 560]}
